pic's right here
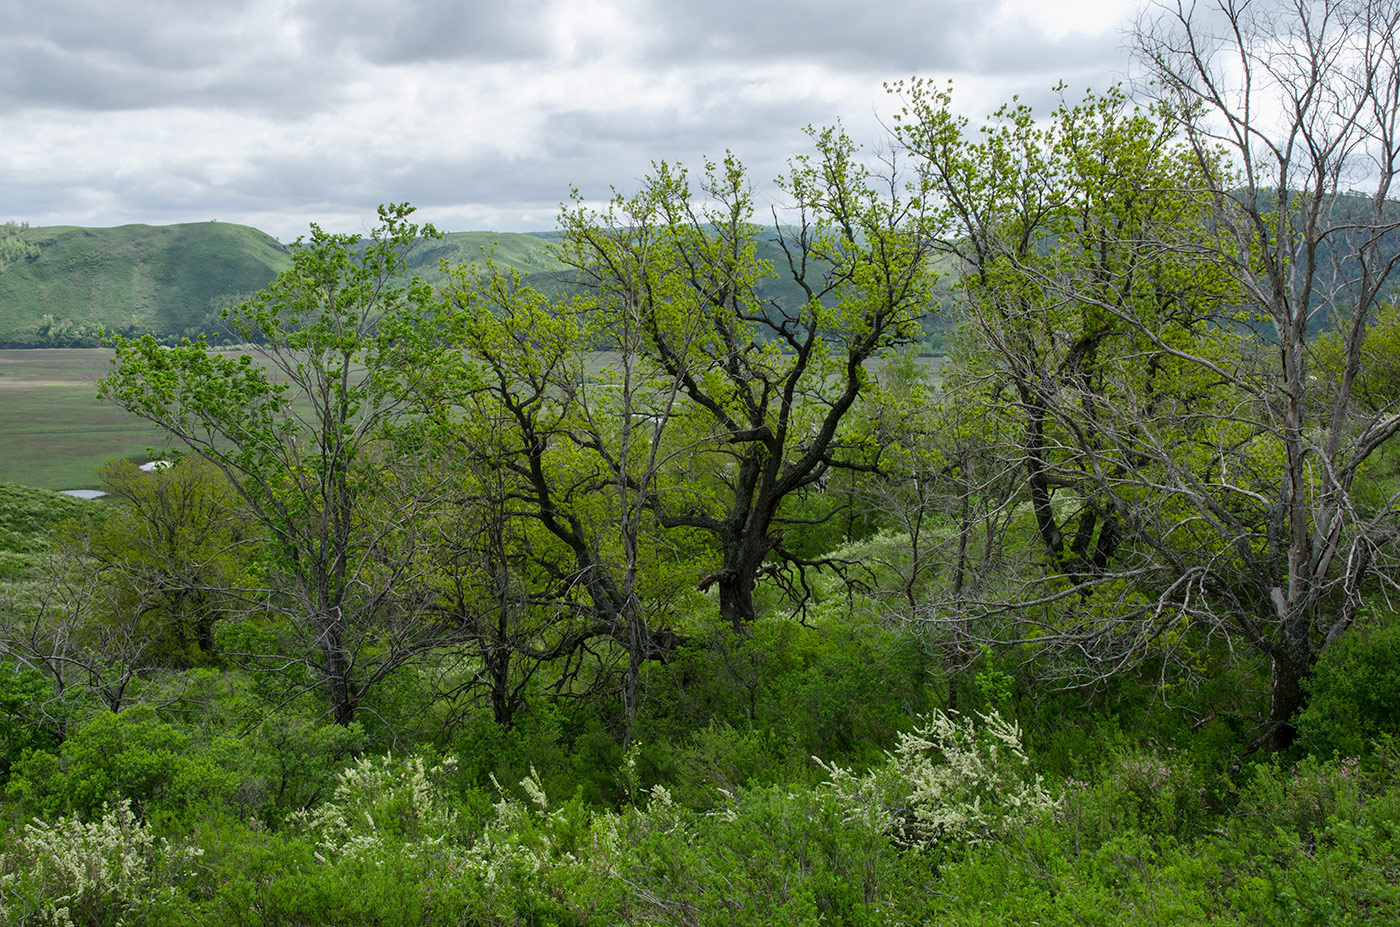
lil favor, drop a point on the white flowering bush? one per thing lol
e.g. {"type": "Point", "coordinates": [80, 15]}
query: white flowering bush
{"type": "Point", "coordinates": [109, 872]}
{"type": "Point", "coordinates": [381, 805]}
{"type": "Point", "coordinates": [949, 781]}
{"type": "Point", "coordinates": [527, 840]}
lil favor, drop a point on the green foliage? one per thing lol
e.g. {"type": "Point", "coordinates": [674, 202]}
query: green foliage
{"type": "Point", "coordinates": [383, 805]}
{"type": "Point", "coordinates": [15, 244]}
{"type": "Point", "coordinates": [490, 527]}
{"type": "Point", "coordinates": [719, 761]}
{"type": "Point", "coordinates": [170, 544]}
{"type": "Point", "coordinates": [1374, 382]}
{"type": "Point", "coordinates": [130, 757]}
{"type": "Point", "coordinates": [321, 457]}
{"type": "Point", "coordinates": [1355, 691]}
{"type": "Point", "coordinates": [23, 727]}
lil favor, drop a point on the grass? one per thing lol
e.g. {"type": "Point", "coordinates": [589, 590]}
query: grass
{"type": "Point", "coordinates": [27, 518]}
{"type": "Point", "coordinates": [59, 430]}
{"type": "Point", "coordinates": [56, 429]}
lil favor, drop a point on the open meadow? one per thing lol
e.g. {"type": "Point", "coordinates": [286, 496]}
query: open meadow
{"type": "Point", "coordinates": [56, 429]}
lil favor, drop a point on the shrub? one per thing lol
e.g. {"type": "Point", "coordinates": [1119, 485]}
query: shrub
{"type": "Point", "coordinates": [22, 694]}
{"type": "Point", "coordinates": [110, 872]}
{"type": "Point", "coordinates": [1355, 693]}
{"type": "Point", "coordinates": [382, 805]}
{"type": "Point", "coordinates": [949, 781]}
{"type": "Point", "coordinates": [132, 756]}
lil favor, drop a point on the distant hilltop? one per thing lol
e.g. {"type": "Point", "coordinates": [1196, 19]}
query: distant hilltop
{"type": "Point", "coordinates": [64, 286]}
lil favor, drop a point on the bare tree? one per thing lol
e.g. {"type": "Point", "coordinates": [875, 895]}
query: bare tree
{"type": "Point", "coordinates": [1292, 111]}
{"type": "Point", "coordinates": [88, 627]}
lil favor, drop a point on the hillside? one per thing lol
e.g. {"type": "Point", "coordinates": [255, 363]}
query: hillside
{"type": "Point", "coordinates": [163, 279]}
{"type": "Point", "coordinates": [27, 520]}
{"type": "Point", "coordinates": [528, 254]}
{"type": "Point", "coordinates": [65, 285]}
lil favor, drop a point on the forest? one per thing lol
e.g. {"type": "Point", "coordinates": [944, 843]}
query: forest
{"type": "Point", "coordinates": [684, 588]}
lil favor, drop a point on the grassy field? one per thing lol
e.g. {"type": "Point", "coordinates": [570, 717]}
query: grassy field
{"type": "Point", "coordinates": [55, 429]}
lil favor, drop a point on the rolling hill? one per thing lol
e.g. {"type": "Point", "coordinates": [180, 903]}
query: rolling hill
{"type": "Point", "coordinates": [63, 286]}
{"type": "Point", "coordinates": [75, 282]}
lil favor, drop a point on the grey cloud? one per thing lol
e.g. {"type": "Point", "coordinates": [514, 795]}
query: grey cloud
{"type": "Point", "coordinates": [918, 36]}
{"type": "Point", "coordinates": [93, 56]}
{"type": "Point", "coordinates": [429, 30]}
{"type": "Point", "coordinates": [888, 36]}
{"type": "Point", "coordinates": [216, 55]}
{"type": "Point", "coordinates": [34, 75]}
{"type": "Point", "coordinates": [171, 36]}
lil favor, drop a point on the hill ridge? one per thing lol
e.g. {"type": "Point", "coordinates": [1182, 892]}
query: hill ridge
{"type": "Point", "coordinates": [66, 285]}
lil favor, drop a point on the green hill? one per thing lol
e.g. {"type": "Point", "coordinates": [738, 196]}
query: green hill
{"type": "Point", "coordinates": [168, 280]}
{"type": "Point", "coordinates": [62, 286]}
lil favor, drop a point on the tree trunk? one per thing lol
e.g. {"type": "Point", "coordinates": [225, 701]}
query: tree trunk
{"type": "Point", "coordinates": [1286, 699]}
{"type": "Point", "coordinates": [337, 684]}
{"type": "Point", "coordinates": [736, 598]}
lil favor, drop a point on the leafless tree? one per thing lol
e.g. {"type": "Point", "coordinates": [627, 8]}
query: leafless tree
{"type": "Point", "coordinates": [87, 627]}
{"type": "Point", "coordinates": [1292, 111]}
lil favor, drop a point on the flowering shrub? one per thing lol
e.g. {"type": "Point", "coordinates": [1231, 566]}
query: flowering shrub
{"type": "Point", "coordinates": [383, 799]}
{"type": "Point", "coordinates": [110, 872]}
{"type": "Point", "coordinates": [525, 840]}
{"type": "Point", "coordinates": [949, 781]}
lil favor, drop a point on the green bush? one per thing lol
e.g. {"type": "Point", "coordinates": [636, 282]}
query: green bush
{"type": "Point", "coordinates": [22, 696]}
{"type": "Point", "coordinates": [1355, 692]}
{"type": "Point", "coordinates": [132, 756]}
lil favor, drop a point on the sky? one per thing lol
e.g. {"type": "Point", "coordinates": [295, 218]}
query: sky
{"type": "Point", "coordinates": [484, 115]}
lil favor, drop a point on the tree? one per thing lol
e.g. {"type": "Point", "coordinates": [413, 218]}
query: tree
{"type": "Point", "coordinates": [1130, 274]}
{"type": "Point", "coordinates": [312, 428]}
{"type": "Point", "coordinates": [573, 451]}
{"type": "Point", "coordinates": [767, 381]}
{"type": "Point", "coordinates": [1292, 111]}
{"type": "Point", "coordinates": [86, 629]}
{"type": "Point", "coordinates": [1049, 229]}
{"type": "Point", "coordinates": [14, 244]}
{"type": "Point", "coordinates": [175, 534]}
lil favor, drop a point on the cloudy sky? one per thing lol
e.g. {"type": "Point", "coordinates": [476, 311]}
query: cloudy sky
{"type": "Point", "coordinates": [276, 113]}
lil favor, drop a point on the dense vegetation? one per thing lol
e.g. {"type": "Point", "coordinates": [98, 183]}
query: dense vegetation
{"type": "Point", "coordinates": [662, 595]}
